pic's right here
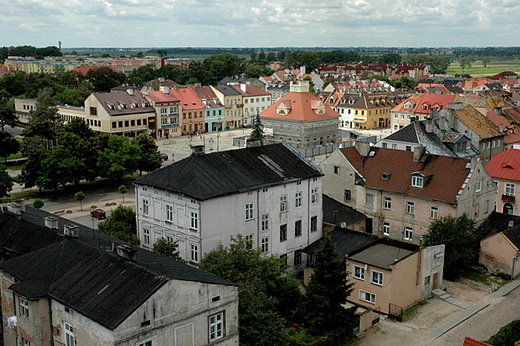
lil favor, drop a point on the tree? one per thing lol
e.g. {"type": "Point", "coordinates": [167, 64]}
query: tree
{"type": "Point", "coordinates": [150, 156]}
{"type": "Point", "coordinates": [119, 158]}
{"type": "Point", "coordinates": [6, 182]}
{"type": "Point", "coordinates": [403, 83]}
{"type": "Point", "coordinates": [80, 196]}
{"type": "Point", "coordinates": [122, 190]}
{"type": "Point", "coordinates": [33, 148]}
{"type": "Point", "coordinates": [8, 144]}
{"type": "Point", "coordinates": [457, 234]}
{"type": "Point", "coordinates": [44, 122]}
{"type": "Point", "coordinates": [104, 78]}
{"type": "Point", "coordinates": [167, 248]}
{"type": "Point", "coordinates": [7, 116]}
{"type": "Point", "coordinates": [268, 298]}
{"type": "Point", "coordinates": [391, 58]}
{"type": "Point", "coordinates": [257, 132]}
{"type": "Point", "coordinates": [327, 291]}
{"type": "Point", "coordinates": [466, 62]}
{"type": "Point", "coordinates": [485, 61]}
{"type": "Point", "coordinates": [121, 224]}
{"type": "Point", "coordinates": [38, 203]}
{"type": "Point", "coordinates": [59, 167]}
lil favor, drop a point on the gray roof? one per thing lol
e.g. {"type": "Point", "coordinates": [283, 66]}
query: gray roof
{"type": "Point", "coordinates": [235, 171]}
{"type": "Point", "coordinates": [123, 103]}
{"type": "Point", "coordinates": [337, 213]}
{"type": "Point", "coordinates": [406, 134]}
{"type": "Point", "coordinates": [381, 255]}
{"type": "Point", "coordinates": [345, 241]}
{"type": "Point", "coordinates": [227, 90]}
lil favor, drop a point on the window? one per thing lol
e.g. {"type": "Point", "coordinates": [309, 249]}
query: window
{"type": "Point", "coordinates": [408, 233]}
{"type": "Point", "coordinates": [348, 195]}
{"type": "Point", "coordinates": [478, 186]}
{"type": "Point", "coordinates": [367, 297]}
{"type": "Point", "coordinates": [298, 228]}
{"type": "Point", "coordinates": [387, 203]}
{"type": "Point", "coordinates": [194, 253]}
{"type": "Point", "coordinates": [283, 232]}
{"type": "Point", "coordinates": [69, 334]}
{"type": "Point", "coordinates": [314, 195]}
{"type": "Point", "coordinates": [417, 181]}
{"type": "Point", "coordinates": [216, 326]}
{"type": "Point", "coordinates": [146, 236]}
{"type": "Point", "coordinates": [386, 228]}
{"type": "Point", "coordinates": [369, 200]}
{"type": "Point", "coordinates": [408, 148]}
{"type": "Point", "coordinates": [249, 211]}
{"type": "Point", "coordinates": [146, 208]}
{"type": "Point", "coordinates": [93, 111]}
{"type": "Point", "coordinates": [24, 307]}
{"type": "Point", "coordinates": [376, 278]}
{"type": "Point", "coordinates": [250, 242]}
{"type": "Point", "coordinates": [265, 222]}
{"type": "Point", "coordinates": [25, 342]}
{"type": "Point", "coordinates": [359, 273]}
{"type": "Point", "coordinates": [336, 169]}
{"type": "Point", "coordinates": [265, 244]}
{"type": "Point", "coordinates": [169, 212]}
{"type": "Point", "coordinates": [298, 200]}
{"type": "Point", "coordinates": [410, 207]}
{"type": "Point", "coordinates": [194, 220]}
{"type": "Point", "coordinates": [509, 189]}
{"type": "Point", "coordinates": [427, 280]}
{"type": "Point", "coordinates": [434, 212]}
{"type": "Point", "coordinates": [297, 257]}
{"type": "Point", "coordinates": [314, 223]}
{"type": "Point", "coordinates": [283, 203]}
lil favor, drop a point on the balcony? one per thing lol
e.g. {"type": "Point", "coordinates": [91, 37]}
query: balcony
{"type": "Point", "coordinates": [508, 198]}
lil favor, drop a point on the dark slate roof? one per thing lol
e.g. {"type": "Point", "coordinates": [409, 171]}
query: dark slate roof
{"type": "Point", "coordinates": [406, 134]}
{"type": "Point", "coordinates": [382, 255]}
{"type": "Point", "coordinates": [101, 286]}
{"type": "Point", "coordinates": [346, 241]}
{"type": "Point", "coordinates": [235, 171]}
{"type": "Point", "coordinates": [227, 90]}
{"type": "Point", "coordinates": [337, 213]}
{"type": "Point", "coordinates": [19, 236]}
{"type": "Point", "coordinates": [513, 234]}
{"type": "Point", "coordinates": [495, 223]}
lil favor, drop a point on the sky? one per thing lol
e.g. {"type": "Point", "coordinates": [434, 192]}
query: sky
{"type": "Point", "coordinates": [260, 23]}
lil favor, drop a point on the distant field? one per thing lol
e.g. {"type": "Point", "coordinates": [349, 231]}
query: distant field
{"type": "Point", "coordinates": [478, 70]}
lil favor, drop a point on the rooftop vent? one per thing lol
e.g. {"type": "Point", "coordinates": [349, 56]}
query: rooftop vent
{"type": "Point", "coordinates": [15, 208]}
{"type": "Point", "coordinates": [197, 150]}
{"type": "Point", "coordinates": [71, 230]}
{"type": "Point", "coordinates": [51, 222]}
{"type": "Point", "coordinates": [126, 251]}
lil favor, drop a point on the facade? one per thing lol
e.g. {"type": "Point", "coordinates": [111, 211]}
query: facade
{"type": "Point", "coordinates": [214, 111]}
{"type": "Point", "coordinates": [168, 110]}
{"type": "Point", "coordinates": [403, 191]}
{"type": "Point", "coordinates": [364, 111]}
{"type": "Point", "coordinates": [125, 113]}
{"type": "Point", "coordinates": [418, 107]}
{"type": "Point", "coordinates": [23, 109]}
{"type": "Point", "coordinates": [270, 194]}
{"type": "Point", "coordinates": [504, 168]}
{"type": "Point", "coordinates": [300, 119]}
{"type": "Point", "coordinates": [499, 252]}
{"type": "Point", "coordinates": [76, 290]}
{"type": "Point", "coordinates": [192, 121]}
{"type": "Point", "coordinates": [255, 101]}
{"type": "Point", "coordinates": [232, 101]}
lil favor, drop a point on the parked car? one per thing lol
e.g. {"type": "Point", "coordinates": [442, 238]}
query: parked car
{"type": "Point", "coordinates": [98, 214]}
{"type": "Point", "coordinates": [164, 156]}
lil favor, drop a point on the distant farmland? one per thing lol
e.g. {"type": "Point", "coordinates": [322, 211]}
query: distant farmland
{"type": "Point", "coordinates": [493, 67]}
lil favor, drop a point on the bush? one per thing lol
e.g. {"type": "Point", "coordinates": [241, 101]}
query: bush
{"type": "Point", "coordinates": [507, 335]}
{"type": "Point", "coordinates": [38, 203]}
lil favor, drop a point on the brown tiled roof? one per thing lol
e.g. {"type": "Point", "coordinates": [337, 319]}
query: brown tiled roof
{"type": "Point", "coordinates": [123, 103]}
{"type": "Point", "coordinates": [446, 175]}
{"type": "Point", "coordinates": [478, 123]}
{"type": "Point", "coordinates": [302, 105]}
{"type": "Point", "coordinates": [472, 342]}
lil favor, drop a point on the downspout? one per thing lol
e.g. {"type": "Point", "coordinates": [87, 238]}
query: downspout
{"type": "Point", "coordinates": [51, 336]}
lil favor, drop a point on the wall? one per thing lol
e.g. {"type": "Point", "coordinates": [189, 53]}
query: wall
{"type": "Point", "coordinates": [497, 253]}
{"type": "Point", "coordinates": [432, 267]}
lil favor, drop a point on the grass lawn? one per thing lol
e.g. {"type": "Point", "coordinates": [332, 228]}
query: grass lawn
{"type": "Point", "coordinates": [493, 67]}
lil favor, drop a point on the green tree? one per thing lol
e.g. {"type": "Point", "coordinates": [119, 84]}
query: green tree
{"type": "Point", "coordinates": [403, 83]}
{"type": "Point", "coordinates": [257, 133]}
{"type": "Point", "coordinates": [121, 224]}
{"type": "Point", "coordinates": [216, 67]}
{"type": "Point", "coordinates": [457, 234]}
{"type": "Point", "coordinates": [44, 122]}
{"type": "Point", "coordinates": [119, 158]}
{"type": "Point", "coordinates": [6, 182]}
{"type": "Point", "coordinates": [167, 248]}
{"type": "Point", "coordinates": [390, 58]}
{"type": "Point", "coordinates": [104, 78]}
{"type": "Point", "coordinates": [150, 156]}
{"type": "Point", "coordinates": [8, 144]}
{"type": "Point", "coordinates": [327, 291]}
{"type": "Point", "coordinates": [308, 59]}
{"type": "Point", "coordinates": [7, 116]}
{"type": "Point", "coordinates": [33, 148]}
{"type": "Point", "coordinates": [507, 335]}
{"type": "Point", "coordinates": [122, 190]}
{"type": "Point", "coordinates": [268, 297]}
{"type": "Point", "coordinates": [59, 167]}
{"type": "Point", "coordinates": [38, 203]}
{"type": "Point", "coordinates": [80, 196]}
{"type": "Point", "coordinates": [465, 62]}
{"type": "Point", "coordinates": [485, 61]}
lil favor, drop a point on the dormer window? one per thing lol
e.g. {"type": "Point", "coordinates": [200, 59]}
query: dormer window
{"type": "Point", "coordinates": [385, 176]}
{"type": "Point", "coordinates": [417, 180]}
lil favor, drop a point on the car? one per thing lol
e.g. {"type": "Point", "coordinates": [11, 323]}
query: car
{"type": "Point", "coordinates": [164, 156]}
{"type": "Point", "coordinates": [98, 214]}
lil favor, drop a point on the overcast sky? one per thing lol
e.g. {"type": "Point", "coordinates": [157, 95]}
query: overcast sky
{"type": "Point", "coordinates": [260, 23]}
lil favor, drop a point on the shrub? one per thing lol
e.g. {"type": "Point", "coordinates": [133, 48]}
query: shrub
{"type": "Point", "coordinates": [38, 203]}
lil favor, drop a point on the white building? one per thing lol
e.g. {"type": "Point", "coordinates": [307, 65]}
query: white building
{"type": "Point", "coordinates": [270, 194]}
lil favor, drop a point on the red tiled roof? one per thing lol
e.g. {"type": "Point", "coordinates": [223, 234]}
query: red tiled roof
{"type": "Point", "coordinates": [302, 105]}
{"type": "Point", "coordinates": [83, 69]}
{"type": "Point", "coordinates": [505, 165]}
{"type": "Point", "coordinates": [160, 97]}
{"type": "Point", "coordinates": [188, 98]}
{"type": "Point", "coordinates": [400, 165]}
{"type": "Point", "coordinates": [472, 342]}
{"type": "Point", "coordinates": [250, 90]}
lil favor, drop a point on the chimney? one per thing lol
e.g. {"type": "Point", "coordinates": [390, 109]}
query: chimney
{"type": "Point", "coordinates": [429, 125]}
{"type": "Point", "coordinates": [256, 142]}
{"type": "Point", "coordinates": [164, 89]}
{"type": "Point", "coordinates": [243, 87]}
{"type": "Point", "coordinates": [363, 148]}
{"type": "Point", "coordinates": [130, 92]}
{"type": "Point", "coordinates": [498, 110]}
{"type": "Point", "coordinates": [71, 230]}
{"type": "Point", "coordinates": [51, 222]}
{"type": "Point", "coordinates": [197, 150]}
{"type": "Point", "coordinates": [126, 251]}
{"type": "Point", "coordinates": [15, 208]}
{"type": "Point", "coordinates": [442, 122]}
{"type": "Point", "coordinates": [418, 152]}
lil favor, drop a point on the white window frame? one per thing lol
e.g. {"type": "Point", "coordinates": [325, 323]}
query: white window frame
{"type": "Point", "coordinates": [478, 186]}
{"type": "Point", "coordinates": [283, 203]}
{"type": "Point", "coordinates": [68, 334]}
{"type": "Point", "coordinates": [194, 252]}
{"type": "Point", "coordinates": [367, 297]}
{"type": "Point", "coordinates": [359, 272]}
{"type": "Point", "coordinates": [417, 181]}
{"type": "Point", "coordinates": [387, 203]}
{"type": "Point", "coordinates": [24, 306]}
{"type": "Point", "coordinates": [386, 228]}
{"type": "Point", "coordinates": [265, 244]}
{"type": "Point", "coordinates": [146, 236]}
{"type": "Point", "coordinates": [249, 211]}
{"type": "Point", "coordinates": [298, 199]}
{"type": "Point", "coordinates": [169, 212]}
{"type": "Point", "coordinates": [376, 277]}
{"type": "Point", "coordinates": [146, 206]}
{"type": "Point", "coordinates": [265, 222]}
{"type": "Point", "coordinates": [194, 220]}
{"type": "Point", "coordinates": [410, 208]}
{"type": "Point", "coordinates": [509, 189]}
{"type": "Point", "coordinates": [314, 223]}
{"type": "Point", "coordinates": [145, 343]}
{"type": "Point", "coordinates": [408, 233]}
{"type": "Point", "coordinates": [314, 195]}
{"type": "Point", "coordinates": [434, 213]}
{"type": "Point", "coordinates": [216, 326]}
